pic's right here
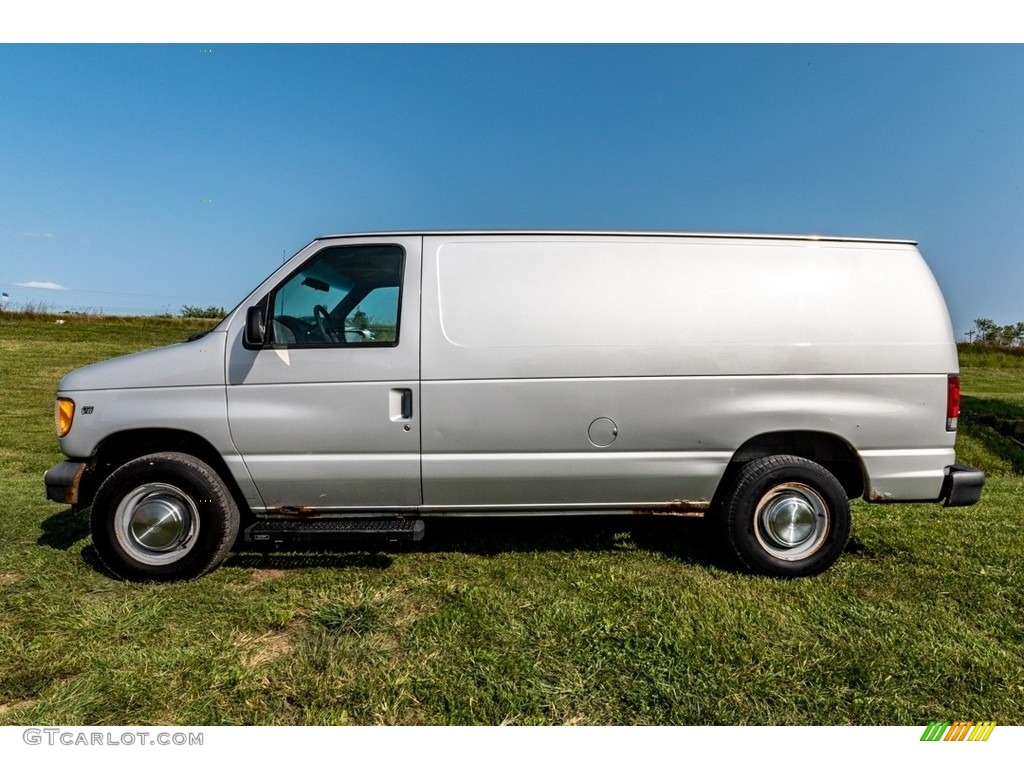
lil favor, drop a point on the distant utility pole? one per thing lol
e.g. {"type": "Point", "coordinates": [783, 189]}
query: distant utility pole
{"type": "Point", "coordinates": [970, 336]}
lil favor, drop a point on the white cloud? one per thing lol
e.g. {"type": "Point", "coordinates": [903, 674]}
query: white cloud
{"type": "Point", "coordinates": [38, 234]}
{"type": "Point", "coordinates": [42, 284]}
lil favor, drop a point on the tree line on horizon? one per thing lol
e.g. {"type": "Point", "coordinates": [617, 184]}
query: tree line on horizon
{"type": "Point", "coordinates": [208, 312]}
{"type": "Point", "coordinates": [986, 331]}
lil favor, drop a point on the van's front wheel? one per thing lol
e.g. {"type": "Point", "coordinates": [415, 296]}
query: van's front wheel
{"type": "Point", "coordinates": [785, 516]}
{"type": "Point", "coordinates": [163, 516]}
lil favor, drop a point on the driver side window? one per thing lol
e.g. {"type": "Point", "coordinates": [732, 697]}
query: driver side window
{"type": "Point", "coordinates": [344, 296]}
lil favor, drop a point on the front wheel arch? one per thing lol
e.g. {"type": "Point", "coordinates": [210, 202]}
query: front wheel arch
{"type": "Point", "coordinates": [119, 448]}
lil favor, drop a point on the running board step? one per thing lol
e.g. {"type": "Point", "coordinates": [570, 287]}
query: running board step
{"type": "Point", "coordinates": [310, 531]}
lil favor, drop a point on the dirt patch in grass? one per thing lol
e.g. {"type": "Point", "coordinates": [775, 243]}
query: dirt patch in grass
{"type": "Point", "coordinates": [256, 650]}
{"type": "Point", "coordinates": [5, 708]}
{"type": "Point", "coordinates": [259, 576]}
{"type": "Point", "coordinates": [8, 578]}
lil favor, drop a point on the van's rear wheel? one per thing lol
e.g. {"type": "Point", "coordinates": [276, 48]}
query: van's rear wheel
{"type": "Point", "coordinates": [785, 516]}
{"type": "Point", "coordinates": [163, 516]}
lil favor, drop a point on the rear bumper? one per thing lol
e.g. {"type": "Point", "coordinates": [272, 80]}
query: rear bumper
{"type": "Point", "coordinates": [962, 486]}
{"type": "Point", "coordinates": [63, 481]}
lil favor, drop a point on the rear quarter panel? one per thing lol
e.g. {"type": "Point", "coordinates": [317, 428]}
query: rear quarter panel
{"type": "Point", "coordinates": [690, 346]}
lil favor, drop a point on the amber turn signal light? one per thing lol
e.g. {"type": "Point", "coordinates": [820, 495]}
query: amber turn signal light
{"type": "Point", "coordinates": [64, 414]}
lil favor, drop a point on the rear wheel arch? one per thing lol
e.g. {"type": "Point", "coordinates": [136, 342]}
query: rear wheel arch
{"type": "Point", "coordinates": [826, 449]}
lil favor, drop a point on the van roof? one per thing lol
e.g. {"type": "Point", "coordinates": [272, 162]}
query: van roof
{"type": "Point", "coordinates": [604, 233]}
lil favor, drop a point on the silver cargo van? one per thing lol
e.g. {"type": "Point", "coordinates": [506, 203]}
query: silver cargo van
{"type": "Point", "coordinates": [376, 380]}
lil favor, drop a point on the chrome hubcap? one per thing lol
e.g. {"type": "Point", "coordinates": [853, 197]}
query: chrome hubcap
{"type": "Point", "coordinates": [791, 521]}
{"type": "Point", "coordinates": [157, 523]}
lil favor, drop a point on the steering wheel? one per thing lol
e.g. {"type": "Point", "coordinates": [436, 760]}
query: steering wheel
{"type": "Point", "coordinates": [322, 318]}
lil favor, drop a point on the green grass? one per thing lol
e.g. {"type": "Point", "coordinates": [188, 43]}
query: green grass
{"type": "Point", "coordinates": [505, 622]}
{"type": "Point", "coordinates": [992, 409]}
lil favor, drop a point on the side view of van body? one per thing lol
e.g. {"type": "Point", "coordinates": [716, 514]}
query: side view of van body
{"type": "Point", "coordinates": [376, 380]}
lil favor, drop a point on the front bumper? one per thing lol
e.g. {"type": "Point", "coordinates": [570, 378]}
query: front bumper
{"type": "Point", "coordinates": [962, 486]}
{"type": "Point", "coordinates": [64, 480]}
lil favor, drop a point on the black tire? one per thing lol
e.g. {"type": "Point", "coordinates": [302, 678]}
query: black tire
{"type": "Point", "coordinates": [784, 516]}
{"type": "Point", "coordinates": [162, 517]}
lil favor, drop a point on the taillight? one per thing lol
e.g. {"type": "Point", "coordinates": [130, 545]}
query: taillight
{"type": "Point", "coordinates": [64, 414]}
{"type": "Point", "coordinates": [952, 402]}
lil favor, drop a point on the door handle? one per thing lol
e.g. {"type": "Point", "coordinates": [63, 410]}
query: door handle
{"type": "Point", "coordinates": [401, 404]}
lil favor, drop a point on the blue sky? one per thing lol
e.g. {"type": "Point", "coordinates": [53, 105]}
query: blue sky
{"type": "Point", "coordinates": [140, 178]}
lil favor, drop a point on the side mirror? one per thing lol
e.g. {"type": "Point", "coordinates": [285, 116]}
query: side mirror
{"type": "Point", "coordinates": [255, 328]}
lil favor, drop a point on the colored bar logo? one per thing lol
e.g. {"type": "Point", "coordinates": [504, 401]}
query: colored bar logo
{"type": "Point", "coordinates": [961, 730]}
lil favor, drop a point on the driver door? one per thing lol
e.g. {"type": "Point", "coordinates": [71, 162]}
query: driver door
{"type": "Point", "coordinates": [325, 415]}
